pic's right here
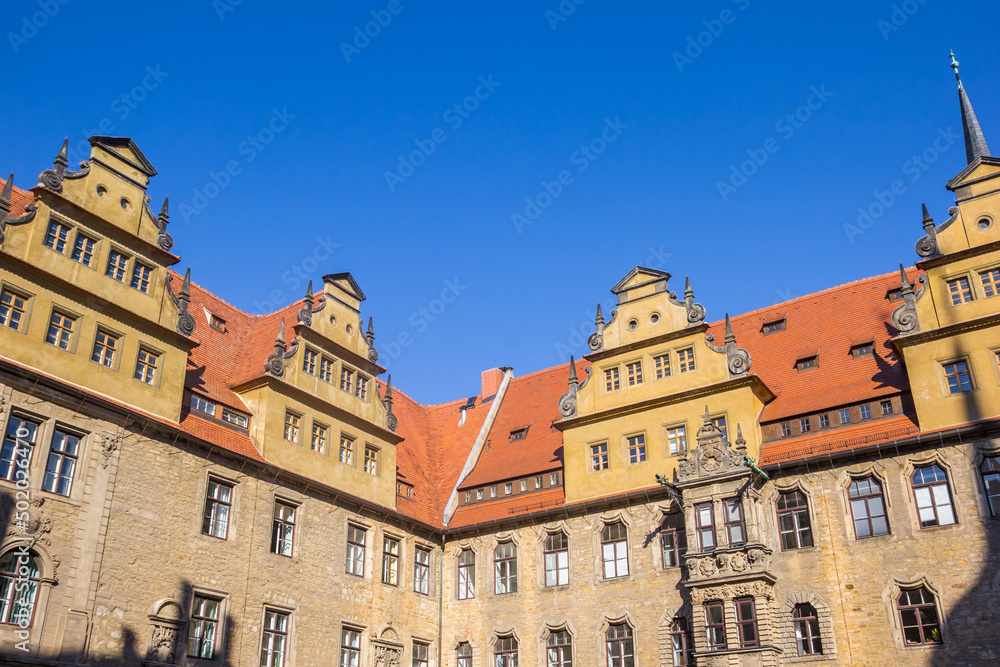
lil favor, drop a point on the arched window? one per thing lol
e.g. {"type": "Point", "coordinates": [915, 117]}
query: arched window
{"type": "Point", "coordinates": [467, 574]}
{"type": "Point", "coordinates": [19, 583]}
{"type": "Point", "coordinates": [807, 638]}
{"type": "Point", "coordinates": [793, 520]}
{"type": "Point", "coordinates": [505, 568]}
{"type": "Point", "coordinates": [556, 559]}
{"type": "Point", "coordinates": [918, 617]}
{"type": "Point", "coordinates": [464, 654]}
{"type": "Point", "coordinates": [681, 643]}
{"type": "Point", "coordinates": [559, 649]}
{"type": "Point", "coordinates": [614, 548]}
{"type": "Point", "coordinates": [621, 652]}
{"type": "Point", "coordinates": [505, 652]}
{"type": "Point", "coordinates": [930, 486]}
{"type": "Point", "coordinates": [868, 508]}
{"type": "Point", "coordinates": [990, 468]}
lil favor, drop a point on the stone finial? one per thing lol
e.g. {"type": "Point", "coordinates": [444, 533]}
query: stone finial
{"type": "Point", "coordinates": [741, 444]}
{"type": "Point", "coordinates": [53, 178]}
{"type": "Point", "coordinates": [737, 360]}
{"type": "Point", "coordinates": [596, 340]}
{"type": "Point", "coordinates": [185, 322]}
{"type": "Point", "coordinates": [163, 239]}
{"type": "Point", "coordinates": [390, 419]}
{"type": "Point", "coordinates": [695, 311]}
{"type": "Point", "coordinates": [904, 318]}
{"type": "Point", "coordinates": [927, 246]}
{"type": "Point", "coordinates": [567, 402]}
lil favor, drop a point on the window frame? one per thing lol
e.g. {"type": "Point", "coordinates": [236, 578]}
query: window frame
{"type": "Point", "coordinates": [614, 542]}
{"type": "Point", "coordinates": [373, 463]}
{"type": "Point", "coordinates": [701, 529]}
{"type": "Point", "coordinates": [72, 333]}
{"type": "Point", "coordinates": [805, 615]}
{"type": "Point", "coordinates": [633, 373]}
{"type": "Point", "coordinates": [967, 371]}
{"type": "Point", "coordinates": [962, 292]}
{"type": "Point", "coordinates": [466, 588]}
{"type": "Point", "coordinates": [622, 641]}
{"type": "Point", "coordinates": [356, 551]}
{"type": "Point", "coordinates": [505, 568]}
{"type": "Point", "coordinates": [661, 366]}
{"type": "Point", "coordinates": [142, 367]}
{"type": "Point", "coordinates": [795, 512]}
{"type": "Point", "coordinates": [216, 623]}
{"type": "Point", "coordinates": [283, 632]}
{"type": "Point", "coordinates": [672, 525]}
{"type": "Point", "coordinates": [681, 656]}
{"type": "Point", "coordinates": [111, 270]}
{"type": "Point", "coordinates": [599, 457]}
{"type": "Point", "coordinates": [677, 444]}
{"type": "Point", "coordinates": [210, 513]}
{"type": "Point", "coordinates": [991, 461]}
{"type": "Point", "coordinates": [740, 605]}
{"type": "Point", "coordinates": [9, 465]}
{"type": "Point", "coordinates": [918, 612]}
{"type": "Point", "coordinates": [292, 427]}
{"type": "Point", "coordinates": [506, 654]}
{"type": "Point", "coordinates": [390, 560]}
{"type": "Point", "coordinates": [63, 455]}
{"type": "Point", "coordinates": [144, 281]}
{"type": "Point", "coordinates": [865, 498]}
{"type": "Point", "coordinates": [686, 362]}
{"type": "Point", "coordinates": [641, 454]}
{"type": "Point", "coordinates": [558, 555]}
{"type": "Point", "coordinates": [24, 311]}
{"type": "Point", "coordinates": [612, 379]}
{"type": "Point", "coordinates": [346, 451]}
{"type": "Point", "coordinates": [285, 522]}
{"type": "Point", "coordinates": [931, 485]}
{"type": "Point", "coordinates": [559, 648]}
{"type": "Point", "coordinates": [418, 659]}
{"type": "Point", "coordinates": [349, 633]}
{"type": "Point", "coordinates": [101, 348]}
{"type": "Point", "coordinates": [323, 437]}
{"type": "Point", "coordinates": [421, 570]}
{"type": "Point", "coordinates": [733, 525]}
{"type": "Point", "coordinates": [710, 636]}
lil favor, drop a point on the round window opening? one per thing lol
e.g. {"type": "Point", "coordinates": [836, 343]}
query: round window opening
{"type": "Point", "coordinates": [102, 192]}
{"type": "Point", "coordinates": [350, 329]}
{"type": "Point", "coordinates": [333, 321]}
{"type": "Point", "coordinates": [985, 223]}
{"type": "Point", "coordinates": [633, 324]}
{"type": "Point", "coordinates": [654, 318]}
{"type": "Point", "coordinates": [126, 204]}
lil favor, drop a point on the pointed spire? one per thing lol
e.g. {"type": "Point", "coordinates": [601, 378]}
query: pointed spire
{"type": "Point", "coordinates": [370, 334]}
{"type": "Point", "coordinates": [907, 288]}
{"type": "Point", "coordinates": [688, 292]}
{"type": "Point", "coordinates": [600, 316]}
{"type": "Point", "coordinates": [165, 211]}
{"type": "Point", "coordinates": [975, 140]}
{"type": "Point", "coordinates": [572, 371]}
{"type": "Point", "coordinates": [928, 220]}
{"type": "Point", "coordinates": [62, 159]}
{"type": "Point", "coordinates": [309, 291]}
{"type": "Point", "coordinates": [280, 340]}
{"type": "Point", "coordinates": [707, 419]}
{"type": "Point", "coordinates": [741, 444]}
{"type": "Point", "coordinates": [186, 286]}
{"type": "Point", "coordinates": [730, 337]}
{"type": "Point", "coordinates": [6, 194]}
{"type": "Point", "coordinates": [388, 389]}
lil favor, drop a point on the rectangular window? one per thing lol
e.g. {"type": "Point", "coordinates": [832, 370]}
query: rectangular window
{"type": "Point", "coordinates": [479, 494]}
{"type": "Point", "coordinates": [217, 322]}
{"type": "Point", "coordinates": [637, 448]}
{"type": "Point", "coordinates": [350, 647]}
{"type": "Point", "coordinates": [685, 359]}
{"type": "Point", "coordinates": [720, 423]}
{"type": "Point", "coordinates": [957, 376]}
{"type": "Point", "coordinates": [538, 482]}
{"type": "Point", "coordinates": [140, 277]}
{"type": "Point", "coordinates": [868, 508]}
{"type": "Point", "coordinates": [145, 369]}
{"type": "Point", "coordinates": [554, 479]}
{"type": "Point", "coordinates": [794, 528]}
{"type": "Point", "coordinates": [421, 570]}
{"type": "Point", "coordinates": [493, 491]}
{"type": "Point", "coordinates": [612, 381]}
{"type": "Point", "coordinates": [771, 327]}
{"type": "Point", "coordinates": [235, 418]}
{"type": "Point", "coordinates": [599, 457]}
{"type": "Point", "coordinates": [326, 369]}
{"type": "Point", "coordinates": [524, 485]}
{"type": "Point", "coordinates": [371, 460]}
{"type": "Point", "coordinates": [508, 489]}
{"type": "Point", "coordinates": [390, 561]}
{"type": "Point", "coordinates": [361, 388]}
{"type": "Point", "coordinates": [804, 364]}
{"type": "Point", "coordinates": [505, 568]}
{"type": "Point", "coordinates": [704, 523]}
{"type": "Point", "coordinates": [866, 412]}
{"type": "Point", "coordinates": [218, 505]}
{"type": "Point", "coordinates": [677, 439]}
{"type": "Point", "coordinates": [634, 373]}
{"type": "Point", "coordinates": [805, 424]}
{"type": "Point", "coordinates": [283, 528]}
{"type": "Point", "coordinates": [960, 291]}
{"type": "Point", "coordinates": [715, 625]}
{"type": "Point", "coordinates": [930, 487]}
{"type": "Point", "coordinates": [736, 531]}
{"type": "Point", "coordinates": [746, 623]}
{"type": "Point", "coordinates": [621, 650]}
{"type": "Point", "coordinates": [346, 450]}
{"type": "Point", "coordinates": [505, 652]}
{"type": "Point", "coordinates": [672, 542]}
{"type": "Point", "coordinates": [200, 404]}
{"type": "Point", "coordinates": [117, 263]}
{"type": "Point", "coordinates": [864, 350]}
{"type": "Point", "coordinates": [61, 465]}
{"type": "Point", "coordinates": [309, 362]}
{"type": "Point", "coordinates": [292, 427]}
{"type": "Point", "coordinates": [346, 379]}
{"type": "Point", "coordinates": [614, 550]}
{"type": "Point", "coordinates": [991, 282]}
{"type": "Point", "coordinates": [60, 330]}
{"type": "Point", "coordinates": [886, 407]}
{"type": "Point", "coordinates": [355, 550]}
{"type": "Point", "coordinates": [419, 655]}
{"type": "Point", "coordinates": [661, 365]}
{"type": "Point", "coordinates": [468, 497]}
{"type": "Point", "coordinates": [12, 307]}
{"type": "Point", "coordinates": [83, 250]}
{"type": "Point", "coordinates": [318, 440]}
{"type": "Point", "coordinates": [18, 444]}
{"type": "Point", "coordinates": [274, 639]}
{"type": "Point", "coordinates": [464, 653]}
{"type": "Point", "coordinates": [204, 627]}
{"type": "Point", "coordinates": [556, 559]}
{"type": "Point", "coordinates": [56, 236]}
{"type": "Point", "coordinates": [467, 574]}
{"type": "Point", "coordinates": [786, 429]}
{"type": "Point", "coordinates": [105, 346]}
{"type": "Point", "coordinates": [824, 421]}
{"type": "Point", "coordinates": [845, 416]}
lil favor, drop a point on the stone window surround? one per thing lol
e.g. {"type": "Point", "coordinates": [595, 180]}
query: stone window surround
{"type": "Point", "coordinates": [770, 500]}
{"type": "Point", "coordinates": [46, 578]}
{"type": "Point", "coordinates": [983, 450]}
{"type": "Point", "coordinates": [401, 579]}
{"type": "Point", "coordinates": [975, 282]}
{"type": "Point", "coordinates": [666, 438]}
{"type": "Point", "coordinates": [548, 628]}
{"type": "Point", "coordinates": [502, 631]}
{"type": "Point", "coordinates": [40, 454]}
{"type": "Point", "coordinates": [225, 476]}
{"type": "Point", "coordinates": [784, 629]}
{"type": "Point", "coordinates": [74, 339]}
{"type": "Point", "coordinates": [626, 456]}
{"type": "Point", "coordinates": [29, 302]}
{"type": "Point", "coordinates": [432, 554]}
{"type": "Point", "coordinates": [295, 501]}
{"type": "Point", "coordinates": [660, 514]}
{"type": "Point", "coordinates": [621, 615]}
{"type": "Point", "coordinates": [370, 544]}
{"type": "Point", "coordinates": [543, 533]}
{"type": "Point", "coordinates": [119, 346]}
{"type": "Point", "coordinates": [943, 381]}
{"type": "Point", "coordinates": [599, 522]}
{"type": "Point", "coordinates": [890, 596]}
{"type": "Point", "coordinates": [220, 630]}
{"type": "Point", "coordinates": [289, 630]}
{"type": "Point", "coordinates": [495, 541]}
{"type": "Point", "coordinates": [923, 460]}
{"type": "Point", "coordinates": [460, 547]}
{"type": "Point", "coordinates": [665, 631]}
{"type": "Point", "coordinates": [360, 628]}
{"type": "Point", "coordinates": [877, 471]}
{"type": "Point", "coordinates": [75, 229]}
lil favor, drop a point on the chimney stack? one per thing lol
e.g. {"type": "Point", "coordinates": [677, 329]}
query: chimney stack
{"type": "Point", "coordinates": [492, 380]}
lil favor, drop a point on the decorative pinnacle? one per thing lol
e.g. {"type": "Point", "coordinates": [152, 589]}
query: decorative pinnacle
{"type": "Point", "coordinates": [572, 371]}
{"type": "Point", "coordinates": [388, 388]}
{"type": "Point", "coordinates": [688, 292]}
{"type": "Point", "coordinates": [707, 419]}
{"type": "Point", "coordinates": [62, 158]}
{"type": "Point", "coordinates": [280, 340]}
{"type": "Point", "coordinates": [730, 337]}
{"type": "Point", "coordinates": [600, 316]}
{"type": "Point", "coordinates": [186, 286]}
{"type": "Point", "coordinates": [928, 221]}
{"type": "Point", "coordinates": [309, 291]}
{"type": "Point", "coordinates": [904, 281]}
{"type": "Point", "coordinates": [6, 194]}
{"type": "Point", "coordinates": [954, 66]}
{"type": "Point", "coordinates": [741, 444]}
{"type": "Point", "coordinates": [370, 335]}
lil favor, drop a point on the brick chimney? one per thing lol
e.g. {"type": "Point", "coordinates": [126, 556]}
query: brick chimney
{"type": "Point", "coordinates": [491, 381]}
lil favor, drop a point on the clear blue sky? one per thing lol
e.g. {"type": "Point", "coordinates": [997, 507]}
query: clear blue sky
{"type": "Point", "coordinates": [517, 295]}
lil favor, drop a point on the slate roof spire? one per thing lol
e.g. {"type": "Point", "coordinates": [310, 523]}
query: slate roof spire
{"type": "Point", "coordinates": [975, 140]}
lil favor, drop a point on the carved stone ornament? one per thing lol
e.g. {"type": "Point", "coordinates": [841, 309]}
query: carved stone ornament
{"type": "Point", "coordinates": [275, 364]}
{"type": "Point", "coordinates": [370, 337]}
{"type": "Point", "coordinates": [110, 443]}
{"type": "Point", "coordinates": [596, 340]}
{"type": "Point", "coordinates": [165, 624]}
{"type": "Point", "coordinates": [737, 359]}
{"type": "Point", "coordinates": [164, 241]}
{"type": "Point", "coordinates": [53, 178]}
{"type": "Point", "coordinates": [904, 318]}
{"type": "Point", "coordinates": [731, 591]}
{"type": "Point", "coordinates": [391, 422]}
{"type": "Point", "coordinates": [185, 321]}
{"type": "Point", "coordinates": [387, 651]}
{"type": "Point", "coordinates": [695, 311]}
{"type": "Point", "coordinates": [5, 217]}
{"type": "Point", "coordinates": [712, 456]}
{"type": "Point", "coordinates": [305, 315]}
{"type": "Point", "coordinates": [928, 245]}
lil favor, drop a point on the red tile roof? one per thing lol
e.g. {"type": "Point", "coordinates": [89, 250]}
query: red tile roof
{"type": "Point", "coordinates": [507, 507]}
{"type": "Point", "coordinates": [19, 199]}
{"type": "Point", "coordinates": [864, 434]}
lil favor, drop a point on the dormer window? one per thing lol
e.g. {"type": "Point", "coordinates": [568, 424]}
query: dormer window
{"type": "Point", "coordinates": [216, 322]}
{"type": "Point", "coordinates": [519, 434]}
{"type": "Point", "coordinates": [862, 350]}
{"type": "Point", "coordinates": [202, 405]}
{"type": "Point", "coordinates": [774, 326]}
{"type": "Point", "coordinates": [806, 363]}
{"type": "Point", "coordinates": [234, 418]}
{"type": "Point", "coordinates": [894, 295]}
